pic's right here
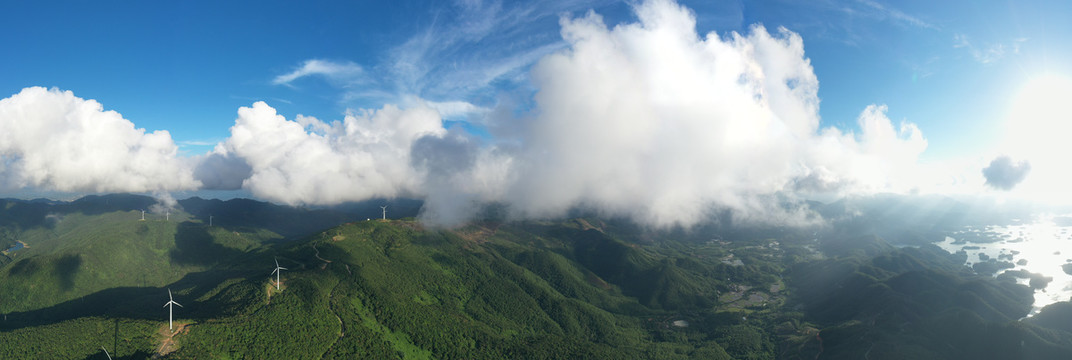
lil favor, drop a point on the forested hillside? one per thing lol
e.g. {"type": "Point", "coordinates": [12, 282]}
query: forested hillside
{"type": "Point", "coordinates": [564, 289]}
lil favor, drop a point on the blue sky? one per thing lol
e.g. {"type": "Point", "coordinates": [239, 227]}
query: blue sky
{"type": "Point", "coordinates": [948, 67]}
{"type": "Point", "coordinates": [186, 66]}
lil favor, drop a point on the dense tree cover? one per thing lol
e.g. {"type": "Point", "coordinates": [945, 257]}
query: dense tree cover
{"type": "Point", "coordinates": [82, 254]}
{"type": "Point", "coordinates": [390, 289]}
{"type": "Point", "coordinates": [81, 338]}
{"type": "Point", "coordinates": [919, 303]}
{"type": "Point", "coordinates": [580, 288]}
{"type": "Point", "coordinates": [299, 324]}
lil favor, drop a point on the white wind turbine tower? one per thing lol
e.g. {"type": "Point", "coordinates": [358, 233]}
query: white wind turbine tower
{"type": "Point", "coordinates": [142, 219]}
{"type": "Point", "coordinates": [167, 215]}
{"type": "Point", "coordinates": [384, 211]}
{"type": "Point", "coordinates": [169, 304]}
{"type": "Point", "coordinates": [277, 272]}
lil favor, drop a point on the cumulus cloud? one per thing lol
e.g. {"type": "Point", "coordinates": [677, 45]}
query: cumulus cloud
{"type": "Point", "coordinates": [881, 158]}
{"type": "Point", "coordinates": [1004, 174]}
{"type": "Point", "coordinates": [384, 153]}
{"type": "Point", "coordinates": [220, 170]}
{"type": "Point", "coordinates": [647, 120]}
{"type": "Point", "coordinates": [307, 161]}
{"type": "Point", "coordinates": [650, 120]}
{"type": "Point", "coordinates": [53, 140]}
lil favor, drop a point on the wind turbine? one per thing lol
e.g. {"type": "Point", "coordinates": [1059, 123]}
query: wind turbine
{"type": "Point", "coordinates": [169, 304]}
{"type": "Point", "coordinates": [210, 220]}
{"type": "Point", "coordinates": [167, 215]}
{"type": "Point", "coordinates": [143, 215]}
{"type": "Point", "coordinates": [384, 211]}
{"type": "Point", "coordinates": [106, 353]}
{"type": "Point", "coordinates": [277, 272]}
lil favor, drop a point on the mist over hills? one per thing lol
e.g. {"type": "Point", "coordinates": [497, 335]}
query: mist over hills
{"type": "Point", "coordinates": [94, 274]}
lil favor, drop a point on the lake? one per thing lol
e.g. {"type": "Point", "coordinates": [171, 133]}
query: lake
{"type": "Point", "coordinates": [1041, 246]}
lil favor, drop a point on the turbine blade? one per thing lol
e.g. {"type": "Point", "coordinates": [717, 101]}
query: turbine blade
{"type": "Point", "coordinates": [169, 303]}
{"type": "Point", "coordinates": [283, 268]}
{"type": "Point", "coordinates": [273, 272]}
{"type": "Point", "coordinates": [180, 305]}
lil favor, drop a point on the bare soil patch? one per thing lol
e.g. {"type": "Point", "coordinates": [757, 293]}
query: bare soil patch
{"type": "Point", "coordinates": [167, 339]}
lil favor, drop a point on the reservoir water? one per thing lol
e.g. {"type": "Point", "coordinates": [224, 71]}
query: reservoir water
{"type": "Point", "coordinates": [1041, 247]}
{"type": "Point", "coordinates": [18, 245]}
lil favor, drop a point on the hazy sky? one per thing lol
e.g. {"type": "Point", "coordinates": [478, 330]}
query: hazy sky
{"type": "Point", "coordinates": [651, 109]}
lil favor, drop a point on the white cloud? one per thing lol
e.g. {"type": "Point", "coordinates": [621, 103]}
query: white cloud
{"type": "Point", "coordinates": [881, 158]}
{"type": "Point", "coordinates": [988, 53]}
{"type": "Point", "coordinates": [648, 120]}
{"type": "Point", "coordinates": [654, 122]}
{"type": "Point", "coordinates": [898, 15]}
{"type": "Point", "coordinates": [456, 109]}
{"type": "Point", "coordinates": [311, 162]}
{"type": "Point", "coordinates": [198, 142]}
{"type": "Point", "coordinates": [467, 48]}
{"type": "Point", "coordinates": [341, 73]}
{"type": "Point", "coordinates": [53, 140]}
{"type": "Point", "coordinates": [471, 49]}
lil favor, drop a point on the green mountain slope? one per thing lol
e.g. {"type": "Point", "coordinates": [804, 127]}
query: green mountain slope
{"type": "Point", "coordinates": [82, 254]}
{"type": "Point", "coordinates": [385, 289]}
{"type": "Point", "coordinates": [580, 288]}
{"type": "Point", "coordinates": [77, 248]}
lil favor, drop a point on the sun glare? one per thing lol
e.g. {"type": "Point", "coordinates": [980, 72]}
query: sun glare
{"type": "Point", "coordinates": [1038, 130]}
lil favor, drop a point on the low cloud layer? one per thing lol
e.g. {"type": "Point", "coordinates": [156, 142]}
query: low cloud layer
{"type": "Point", "coordinates": [648, 120]}
{"type": "Point", "coordinates": [1004, 174]}
{"type": "Point", "coordinates": [53, 140]}
{"type": "Point", "coordinates": [307, 161]}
